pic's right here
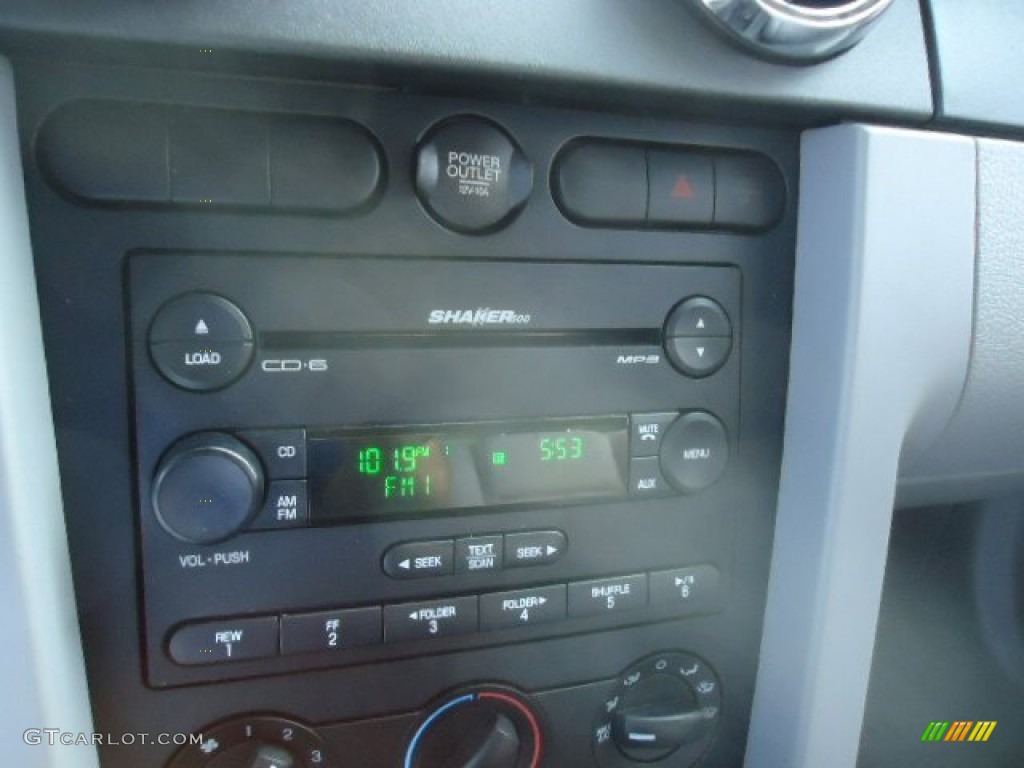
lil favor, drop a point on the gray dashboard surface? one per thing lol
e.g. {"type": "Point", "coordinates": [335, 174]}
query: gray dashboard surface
{"type": "Point", "coordinates": [981, 453]}
{"type": "Point", "coordinates": [591, 49]}
{"type": "Point", "coordinates": [980, 51]}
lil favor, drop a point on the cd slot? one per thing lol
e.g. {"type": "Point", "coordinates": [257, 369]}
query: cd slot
{"type": "Point", "coordinates": [487, 339]}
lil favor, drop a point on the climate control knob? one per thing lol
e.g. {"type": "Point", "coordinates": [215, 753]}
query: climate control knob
{"type": "Point", "coordinates": [207, 487]}
{"type": "Point", "coordinates": [665, 705]}
{"type": "Point", "coordinates": [479, 728]}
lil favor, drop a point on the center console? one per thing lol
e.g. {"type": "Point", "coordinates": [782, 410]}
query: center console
{"type": "Point", "coordinates": [399, 430]}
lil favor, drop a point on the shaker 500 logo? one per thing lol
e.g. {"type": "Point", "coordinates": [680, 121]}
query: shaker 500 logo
{"type": "Point", "coordinates": [477, 317]}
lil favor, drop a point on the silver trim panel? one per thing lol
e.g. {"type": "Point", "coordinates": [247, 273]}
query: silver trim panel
{"type": "Point", "coordinates": [41, 664]}
{"type": "Point", "coordinates": [881, 338]}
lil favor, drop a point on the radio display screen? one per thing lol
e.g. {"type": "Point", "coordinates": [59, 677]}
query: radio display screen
{"type": "Point", "coordinates": [425, 469]}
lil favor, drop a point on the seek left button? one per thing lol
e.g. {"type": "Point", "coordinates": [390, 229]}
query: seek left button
{"type": "Point", "coordinates": [418, 559]}
{"type": "Point", "coordinates": [215, 642]}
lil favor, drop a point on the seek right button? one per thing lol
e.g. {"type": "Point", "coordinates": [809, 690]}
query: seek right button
{"type": "Point", "coordinates": [690, 590]}
{"type": "Point", "coordinates": [694, 452]}
{"type": "Point", "coordinates": [534, 548]}
{"type": "Point", "coordinates": [605, 596]}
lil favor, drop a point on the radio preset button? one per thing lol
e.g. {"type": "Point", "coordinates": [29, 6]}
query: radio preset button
{"type": "Point", "coordinates": [646, 480]}
{"type": "Point", "coordinates": [691, 590]}
{"type": "Point", "coordinates": [605, 596]}
{"type": "Point", "coordinates": [283, 451]}
{"type": "Point", "coordinates": [213, 642]}
{"type": "Point", "coordinates": [286, 506]}
{"type": "Point", "coordinates": [471, 175]}
{"type": "Point", "coordinates": [646, 432]}
{"type": "Point", "coordinates": [695, 452]}
{"type": "Point", "coordinates": [330, 631]}
{"type": "Point", "coordinates": [522, 608]}
{"type": "Point", "coordinates": [478, 553]}
{"type": "Point", "coordinates": [437, 618]}
{"type": "Point", "coordinates": [417, 559]}
{"type": "Point", "coordinates": [534, 548]}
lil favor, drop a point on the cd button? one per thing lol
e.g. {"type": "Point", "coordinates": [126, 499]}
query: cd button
{"type": "Point", "coordinates": [696, 356]}
{"type": "Point", "coordinates": [525, 607]}
{"type": "Point", "coordinates": [605, 596]}
{"type": "Point", "coordinates": [534, 548]}
{"type": "Point", "coordinates": [417, 559]}
{"type": "Point", "coordinates": [212, 642]}
{"type": "Point", "coordinates": [282, 451]}
{"type": "Point", "coordinates": [647, 429]}
{"type": "Point", "coordinates": [438, 618]}
{"type": "Point", "coordinates": [478, 553]}
{"type": "Point", "coordinates": [330, 631]}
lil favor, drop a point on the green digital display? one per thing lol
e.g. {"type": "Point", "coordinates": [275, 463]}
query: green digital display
{"type": "Point", "coordinates": [466, 466]}
{"type": "Point", "coordinates": [561, 448]}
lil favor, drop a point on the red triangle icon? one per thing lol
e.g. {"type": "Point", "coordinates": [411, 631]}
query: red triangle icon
{"type": "Point", "coordinates": [683, 188]}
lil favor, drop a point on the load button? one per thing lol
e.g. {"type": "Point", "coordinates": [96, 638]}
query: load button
{"type": "Point", "coordinates": [534, 548]}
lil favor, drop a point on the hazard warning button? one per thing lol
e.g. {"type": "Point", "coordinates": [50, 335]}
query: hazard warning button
{"type": "Point", "coordinates": [682, 188]}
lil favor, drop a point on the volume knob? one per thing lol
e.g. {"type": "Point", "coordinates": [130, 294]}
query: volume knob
{"type": "Point", "coordinates": [207, 487]}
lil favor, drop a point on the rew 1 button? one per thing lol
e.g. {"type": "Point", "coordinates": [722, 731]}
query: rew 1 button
{"type": "Point", "coordinates": [213, 642]}
{"type": "Point", "coordinates": [417, 559]}
{"type": "Point", "coordinates": [471, 176]}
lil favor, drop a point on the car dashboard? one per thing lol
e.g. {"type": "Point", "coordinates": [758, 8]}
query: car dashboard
{"type": "Point", "coordinates": [520, 385]}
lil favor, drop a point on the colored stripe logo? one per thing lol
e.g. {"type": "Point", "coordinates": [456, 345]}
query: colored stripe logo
{"type": "Point", "coordinates": [959, 730]}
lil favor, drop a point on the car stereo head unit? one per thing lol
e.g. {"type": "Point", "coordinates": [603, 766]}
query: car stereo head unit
{"type": "Point", "coordinates": [389, 444]}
